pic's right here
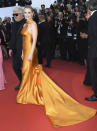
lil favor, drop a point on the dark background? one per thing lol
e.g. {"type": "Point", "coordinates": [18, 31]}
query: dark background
{"type": "Point", "coordinates": [9, 3]}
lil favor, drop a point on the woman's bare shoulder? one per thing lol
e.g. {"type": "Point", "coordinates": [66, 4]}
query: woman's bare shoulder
{"type": "Point", "coordinates": [32, 25]}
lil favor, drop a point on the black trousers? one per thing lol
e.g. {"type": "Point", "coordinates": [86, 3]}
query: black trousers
{"type": "Point", "coordinates": [17, 64]}
{"type": "Point", "coordinates": [69, 48]}
{"type": "Point", "coordinates": [44, 52]}
{"type": "Point", "coordinates": [87, 79]}
{"type": "Point", "coordinates": [93, 73]}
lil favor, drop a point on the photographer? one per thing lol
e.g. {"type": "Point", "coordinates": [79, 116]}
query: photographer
{"type": "Point", "coordinates": [61, 31]}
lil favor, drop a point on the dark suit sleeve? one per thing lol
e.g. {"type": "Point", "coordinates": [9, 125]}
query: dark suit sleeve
{"type": "Point", "coordinates": [39, 33]}
{"type": "Point", "coordinates": [12, 41]}
{"type": "Point", "coordinates": [92, 33]}
{"type": "Point", "coordinates": [94, 27]}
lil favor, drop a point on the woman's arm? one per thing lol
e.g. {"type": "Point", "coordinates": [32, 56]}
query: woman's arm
{"type": "Point", "coordinates": [33, 30]}
{"type": "Point", "coordinates": [3, 35]}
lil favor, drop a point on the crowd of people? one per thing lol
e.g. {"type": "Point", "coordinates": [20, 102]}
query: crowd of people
{"type": "Point", "coordinates": [68, 26]}
{"type": "Point", "coordinates": [67, 31]}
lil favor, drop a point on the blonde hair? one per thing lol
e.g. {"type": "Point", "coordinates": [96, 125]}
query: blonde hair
{"type": "Point", "coordinates": [29, 7]}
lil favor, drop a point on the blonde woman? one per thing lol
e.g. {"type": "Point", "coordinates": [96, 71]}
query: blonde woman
{"type": "Point", "coordinates": [37, 88]}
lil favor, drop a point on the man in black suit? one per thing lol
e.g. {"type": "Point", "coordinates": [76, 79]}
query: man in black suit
{"type": "Point", "coordinates": [92, 47]}
{"type": "Point", "coordinates": [44, 41]}
{"type": "Point", "coordinates": [15, 45]}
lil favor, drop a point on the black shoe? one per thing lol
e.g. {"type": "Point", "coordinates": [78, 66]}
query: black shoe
{"type": "Point", "coordinates": [47, 66]}
{"type": "Point", "coordinates": [91, 98]}
{"type": "Point", "coordinates": [87, 83]}
{"type": "Point", "coordinates": [17, 87]}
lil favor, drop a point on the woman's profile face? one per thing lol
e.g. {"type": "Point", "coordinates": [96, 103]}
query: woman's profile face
{"type": "Point", "coordinates": [28, 14]}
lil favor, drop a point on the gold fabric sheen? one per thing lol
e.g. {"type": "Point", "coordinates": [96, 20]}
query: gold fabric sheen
{"type": "Point", "coordinates": [37, 88]}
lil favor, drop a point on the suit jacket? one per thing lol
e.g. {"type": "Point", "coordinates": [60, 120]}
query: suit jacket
{"type": "Point", "coordinates": [16, 38]}
{"type": "Point", "coordinates": [92, 36]}
{"type": "Point", "coordinates": [44, 34]}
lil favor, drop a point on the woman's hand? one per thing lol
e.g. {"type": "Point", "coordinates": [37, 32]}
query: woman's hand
{"type": "Point", "coordinates": [30, 57]}
{"type": "Point", "coordinates": [22, 55]}
{"type": "Point", "coordinates": [10, 52]}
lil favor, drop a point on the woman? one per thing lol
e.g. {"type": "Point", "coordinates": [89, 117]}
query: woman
{"type": "Point", "coordinates": [3, 40]}
{"type": "Point", "coordinates": [2, 78]}
{"type": "Point", "coordinates": [38, 88]}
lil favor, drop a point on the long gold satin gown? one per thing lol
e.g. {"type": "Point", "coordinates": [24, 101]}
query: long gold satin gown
{"type": "Point", "coordinates": [37, 88]}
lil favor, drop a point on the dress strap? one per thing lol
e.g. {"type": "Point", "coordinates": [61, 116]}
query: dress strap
{"type": "Point", "coordinates": [29, 21]}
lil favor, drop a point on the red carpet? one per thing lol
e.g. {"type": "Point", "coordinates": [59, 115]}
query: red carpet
{"type": "Point", "coordinates": [17, 117]}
